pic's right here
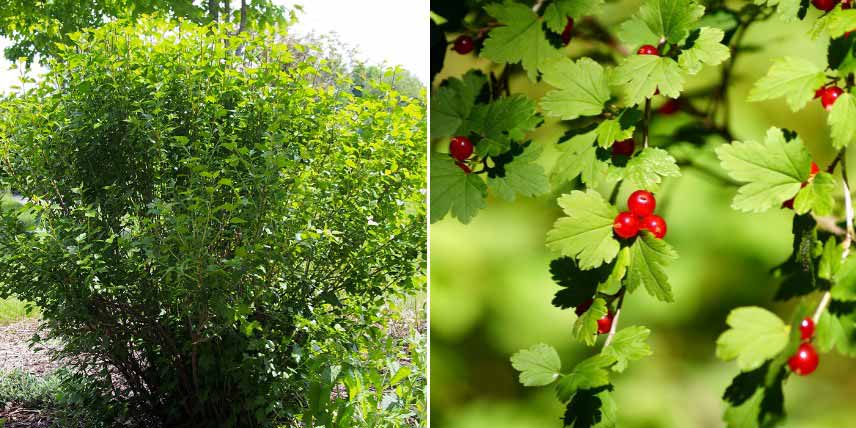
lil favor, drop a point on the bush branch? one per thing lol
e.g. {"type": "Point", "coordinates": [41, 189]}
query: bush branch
{"type": "Point", "coordinates": [614, 326]}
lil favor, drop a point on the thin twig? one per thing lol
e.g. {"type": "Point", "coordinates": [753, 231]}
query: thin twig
{"type": "Point", "coordinates": [614, 194]}
{"type": "Point", "coordinates": [614, 327]}
{"type": "Point", "coordinates": [645, 124]}
{"type": "Point", "coordinates": [538, 6]}
{"type": "Point", "coordinates": [829, 224]}
{"type": "Point", "coordinates": [848, 236]}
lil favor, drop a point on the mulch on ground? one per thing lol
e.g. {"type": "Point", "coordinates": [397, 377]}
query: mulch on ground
{"type": "Point", "coordinates": [16, 354]}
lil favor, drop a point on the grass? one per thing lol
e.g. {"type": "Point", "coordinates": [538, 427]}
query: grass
{"type": "Point", "coordinates": [13, 310]}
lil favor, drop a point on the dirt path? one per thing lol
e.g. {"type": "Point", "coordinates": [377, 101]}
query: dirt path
{"type": "Point", "coordinates": [15, 352]}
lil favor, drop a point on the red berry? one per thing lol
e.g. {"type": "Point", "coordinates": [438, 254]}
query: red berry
{"type": "Point", "coordinates": [623, 147]}
{"type": "Point", "coordinates": [825, 5]}
{"type": "Point", "coordinates": [804, 362]}
{"type": "Point", "coordinates": [460, 147]}
{"type": "Point", "coordinates": [788, 204]}
{"type": "Point", "coordinates": [819, 92]}
{"type": "Point", "coordinates": [670, 107]}
{"type": "Point", "coordinates": [584, 306]}
{"type": "Point", "coordinates": [641, 203]}
{"type": "Point", "coordinates": [626, 225]}
{"type": "Point", "coordinates": [464, 167]}
{"type": "Point", "coordinates": [464, 44]}
{"type": "Point", "coordinates": [829, 96]}
{"type": "Point", "coordinates": [605, 323]}
{"type": "Point", "coordinates": [813, 170]}
{"type": "Point", "coordinates": [648, 50]}
{"type": "Point", "coordinates": [654, 224]}
{"type": "Point", "coordinates": [568, 31]}
{"type": "Point", "coordinates": [806, 328]}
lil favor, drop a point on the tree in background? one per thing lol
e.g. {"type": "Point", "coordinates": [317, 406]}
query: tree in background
{"type": "Point", "coordinates": [36, 27]}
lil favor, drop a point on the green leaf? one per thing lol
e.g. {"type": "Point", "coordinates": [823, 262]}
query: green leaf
{"type": "Point", "coordinates": [799, 269]}
{"type": "Point", "coordinates": [773, 170]}
{"type": "Point", "coordinates": [538, 365]}
{"type": "Point", "coordinates": [501, 122]}
{"type": "Point", "coordinates": [452, 103]}
{"type": "Point", "coordinates": [828, 332]}
{"type": "Point", "coordinates": [647, 169]}
{"type": "Point", "coordinates": [453, 190]}
{"type": "Point", "coordinates": [671, 19]}
{"type": "Point", "coordinates": [759, 411]}
{"type": "Point", "coordinates": [557, 13]}
{"type": "Point", "coordinates": [586, 231]}
{"type": "Point", "coordinates": [628, 345]}
{"type": "Point", "coordinates": [795, 79]}
{"type": "Point", "coordinates": [523, 176]}
{"type": "Point", "coordinates": [841, 121]}
{"type": "Point", "coordinates": [845, 281]}
{"type": "Point", "coordinates": [582, 88]}
{"type": "Point", "coordinates": [578, 158]}
{"type": "Point", "coordinates": [836, 329]}
{"type": "Point", "coordinates": [618, 270]}
{"type": "Point", "coordinates": [519, 40]}
{"type": "Point", "coordinates": [589, 373]}
{"type": "Point", "coordinates": [818, 196]}
{"type": "Point", "coordinates": [834, 24]}
{"type": "Point", "coordinates": [578, 286]}
{"type": "Point", "coordinates": [786, 10]}
{"type": "Point", "coordinates": [722, 19]}
{"type": "Point", "coordinates": [841, 55]}
{"type": "Point", "coordinates": [703, 47]}
{"type": "Point", "coordinates": [830, 260]}
{"type": "Point", "coordinates": [647, 257]}
{"type": "Point", "coordinates": [635, 32]}
{"type": "Point", "coordinates": [642, 75]}
{"type": "Point", "coordinates": [756, 335]}
{"type": "Point", "coordinates": [591, 408]}
{"type": "Point", "coordinates": [621, 128]}
{"type": "Point", "coordinates": [585, 327]}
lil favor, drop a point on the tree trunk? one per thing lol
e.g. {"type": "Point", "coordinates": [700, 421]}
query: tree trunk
{"type": "Point", "coordinates": [213, 10]}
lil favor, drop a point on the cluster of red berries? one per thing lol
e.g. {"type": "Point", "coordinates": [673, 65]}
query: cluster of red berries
{"type": "Point", "coordinates": [461, 148]}
{"type": "Point", "coordinates": [805, 361]}
{"type": "Point", "coordinates": [813, 170]}
{"type": "Point", "coordinates": [828, 95]}
{"type": "Point", "coordinates": [640, 204]}
{"type": "Point", "coordinates": [604, 324]}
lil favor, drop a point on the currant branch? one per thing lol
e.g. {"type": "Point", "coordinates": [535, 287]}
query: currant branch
{"type": "Point", "coordinates": [614, 327]}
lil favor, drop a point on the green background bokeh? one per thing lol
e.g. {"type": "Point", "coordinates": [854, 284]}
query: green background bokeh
{"type": "Point", "coordinates": [491, 288]}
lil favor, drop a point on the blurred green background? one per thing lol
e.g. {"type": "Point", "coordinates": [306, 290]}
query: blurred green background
{"type": "Point", "coordinates": [491, 288]}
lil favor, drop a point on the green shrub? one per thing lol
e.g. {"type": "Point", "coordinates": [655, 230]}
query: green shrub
{"type": "Point", "coordinates": [192, 204]}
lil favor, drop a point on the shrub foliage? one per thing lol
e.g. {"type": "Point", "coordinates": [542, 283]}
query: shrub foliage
{"type": "Point", "coordinates": [195, 197]}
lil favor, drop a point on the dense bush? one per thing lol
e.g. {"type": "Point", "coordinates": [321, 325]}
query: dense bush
{"type": "Point", "coordinates": [197, 197]}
